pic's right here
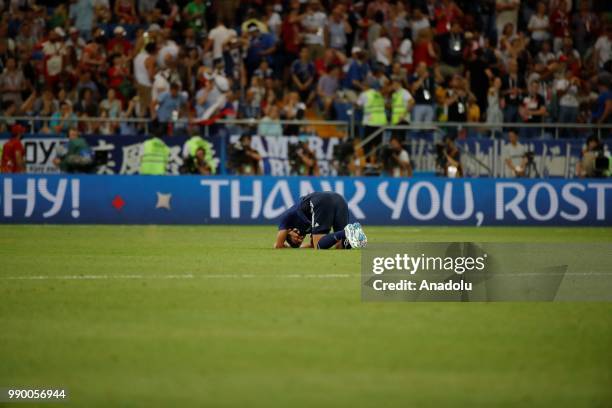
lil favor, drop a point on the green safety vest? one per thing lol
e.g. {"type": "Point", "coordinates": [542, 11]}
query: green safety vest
{"type": "Point", "coordinates": [196, 142]}
{"type": "Point", "coordinates": [155, 157]}
{"type": "Point", "coordinates": [375, 108]}
{"type": "Point", "coordinates": [398, 108]}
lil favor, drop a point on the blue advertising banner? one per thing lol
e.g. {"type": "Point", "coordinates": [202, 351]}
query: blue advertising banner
{"type": "Point", "coordinates": [479, 156]}
{"type": "Point", "coordinates": [96, 199]}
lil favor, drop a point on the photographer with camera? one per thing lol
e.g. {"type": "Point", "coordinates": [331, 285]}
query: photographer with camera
{"type": "Point", "coordinates": [595, 161]}
{"type": "Point", "coordinates": [76, 156]}
{"type": "Point", "coordinates": [243, 159]}
{"type": "Point", "coordinates": [302, 159]}
{"type": "Point", "coordinates": [514, 155]}
{"type": "Point", "coordinates": [448, 159]}
{"type": "Point", "coordinates": [198, 157]}
{"type": "Point", "coordinates": [395, 159]}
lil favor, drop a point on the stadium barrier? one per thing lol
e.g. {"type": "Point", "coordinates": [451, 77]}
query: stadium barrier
{"type": "Point", "coordinates": [94, 199]}
{"type": "Point", "coordinates": [481, 157]}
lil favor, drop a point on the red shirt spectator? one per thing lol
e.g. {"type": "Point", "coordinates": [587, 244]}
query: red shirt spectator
{"type": "Point", "coordinates": [118, 44]}
{"type": "Point", "coordinates": [559, 21]}
{"type": "Point", "coordinates": [13, 152]}
{"type": "Point", "coordinates": [424, 50]}
{"type": "Point", "coordinates": [446, 14]}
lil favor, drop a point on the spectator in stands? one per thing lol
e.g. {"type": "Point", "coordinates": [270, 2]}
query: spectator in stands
{"type": "Point", "coordinates": [314, 21]}
{"type": "Point", "coordinates": [218, 39]}
{"type": "Point", "coordinates": [54, 50]}
{"type": "Point", "coordinates": [82, 15]}
{"type": "Point", "coordinates": [326, 90]}
{"type": "Point", "coordinates": [539, 26]}
{"type": "Point", "coordinates": [269, 125]}
{"type": "Point", "coordinates": [603, 50]}
{"type": "Point", "coordinates": [13, 153]}
{"type": "Point", "coordinates": [111, 104]}
{"type": "Point", "coordinates": [603, 106]}
{"type": "Point", "coordinates": [419, 22]}
{"type": "Point", "coordinates": [125, 11]}
{"type": "Point", "coordinates": [144, 72]}
{"type": "Point", "coordinates": [532, 110]}
{"type": "Point", "coordinates": [566, 86]}
{"type": "Point", "coordinates": [261, 46]}
{"type": "Point", "coordinates": [119, 43]}
{"type": "Point", "coordinates": [585, 24]}
{"type": "Point", "coordinates": [452, 47]}
{"type": "Point", "coordinates": [405, 51]}
{"type": "Point", "coordinates": [194, 15]}
{"type": "Point", "coordinates": [513, 87]}
{"type": "Point", "coordinates": [12, 82]}
{"type": "Point", "coordinates": [170, 105]}
{"type": "Point", "coordinates": [303, 76]}
{"type": "Point", "coordinates": [338, 28]}
{"type": "Point", "coordinates": [357, 70]}
{"type": "Point", "coordinates": [86, 105]}
{"type": "Point", "coordinates": [423, 88]}
{"type": "Point", "coordinates": [64, 119]}
{"type": "Point", "coordinates": [292, 109]}
{"type": "Point", "coordinates": [50, 55]}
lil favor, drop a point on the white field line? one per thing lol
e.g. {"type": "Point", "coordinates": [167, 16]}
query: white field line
{"type": "Point", "coordinates": [185, 276]}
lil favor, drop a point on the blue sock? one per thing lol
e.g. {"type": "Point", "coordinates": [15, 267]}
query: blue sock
{"type": "Point", "coordinates": [330, 240]}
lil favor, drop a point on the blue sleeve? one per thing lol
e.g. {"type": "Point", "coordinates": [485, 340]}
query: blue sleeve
{"type": "Point", "coordinates": [285, 218]}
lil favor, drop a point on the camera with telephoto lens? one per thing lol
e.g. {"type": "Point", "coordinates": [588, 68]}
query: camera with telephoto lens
{"type": "Point", "coordinates": [602, 163]}
{"type": "Point", "coordinates": [237, 155]}
{"type": "Point", "coordinates": [342, 156]}
{"type": "Point", "coordinates": [441, 160]}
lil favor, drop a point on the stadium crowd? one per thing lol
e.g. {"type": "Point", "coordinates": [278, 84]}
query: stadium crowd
{"type": "Point", "coordinates": [430, 60]}
{"type": "Point", "coordinates": [171, 66]}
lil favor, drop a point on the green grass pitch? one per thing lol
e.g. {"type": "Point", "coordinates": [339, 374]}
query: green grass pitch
{"type": "Point", "coordinates": [166, 319]}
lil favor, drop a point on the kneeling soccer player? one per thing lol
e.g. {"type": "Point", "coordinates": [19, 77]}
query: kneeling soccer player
{"type": "Point", "coordinates": [318, 214]}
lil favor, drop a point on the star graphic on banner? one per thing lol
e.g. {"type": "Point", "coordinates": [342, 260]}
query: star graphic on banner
{"type": "Point", "coordinates": [163, 200]}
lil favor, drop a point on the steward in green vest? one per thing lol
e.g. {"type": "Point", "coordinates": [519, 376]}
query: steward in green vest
{"type": "Point", "coordinates": [401, 104]}
{"type": "Point", "coordinates": [373, 103]}
{"type": "Point", "coordinates": [155, 157]}
{"type": "Point", "coordinates": [197, 142]}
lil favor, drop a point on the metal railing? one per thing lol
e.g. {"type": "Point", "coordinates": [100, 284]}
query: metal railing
{"type": "Point", "coordinates": [349, 124]}
{"type": "Point", "coordinates": [146, 122]}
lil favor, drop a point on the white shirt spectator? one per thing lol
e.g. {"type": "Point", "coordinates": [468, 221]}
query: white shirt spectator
{"type": "Point", "coordinates": [602, 47]}
{"type": "Point", "coordinates": [418, 25]}
{"type": "Point", "coordinates": [55, 52]}
{"type": "Point", "coordinates": [168, 48]}
{"type": "Point", "coordinates": [403, 158]}
{"type": "Point", "coordinates": [405, 52]}
{"type": "Point", "coordinates": [506, 16]}
{"type": "Point", "coordinates": [545, 58]}
{"type": "Point", "coordinates": [515, 153]}
{"type": "Point", "coordinates": [140, 71]}
{"type": "Point", "coordinates": [382, 46]}
{"type": "Point", "coordinates": [274, 23]}
{"type": "Point", "coordinates": [569, 98]}
{"type": "Point", "coordinates": [160, 84]}
{"type": "Point", "coordinates": [219, 36]}
{"type": "Point", "coordinates": [537, 22]}
{"type": "Point", "coordinates": [314, 22]}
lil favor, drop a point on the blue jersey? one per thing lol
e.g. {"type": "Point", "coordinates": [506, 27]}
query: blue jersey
{"type": "Point", "coordinates": [294, 218]}
{"type": "Point", "coordinates": [316, 213]}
